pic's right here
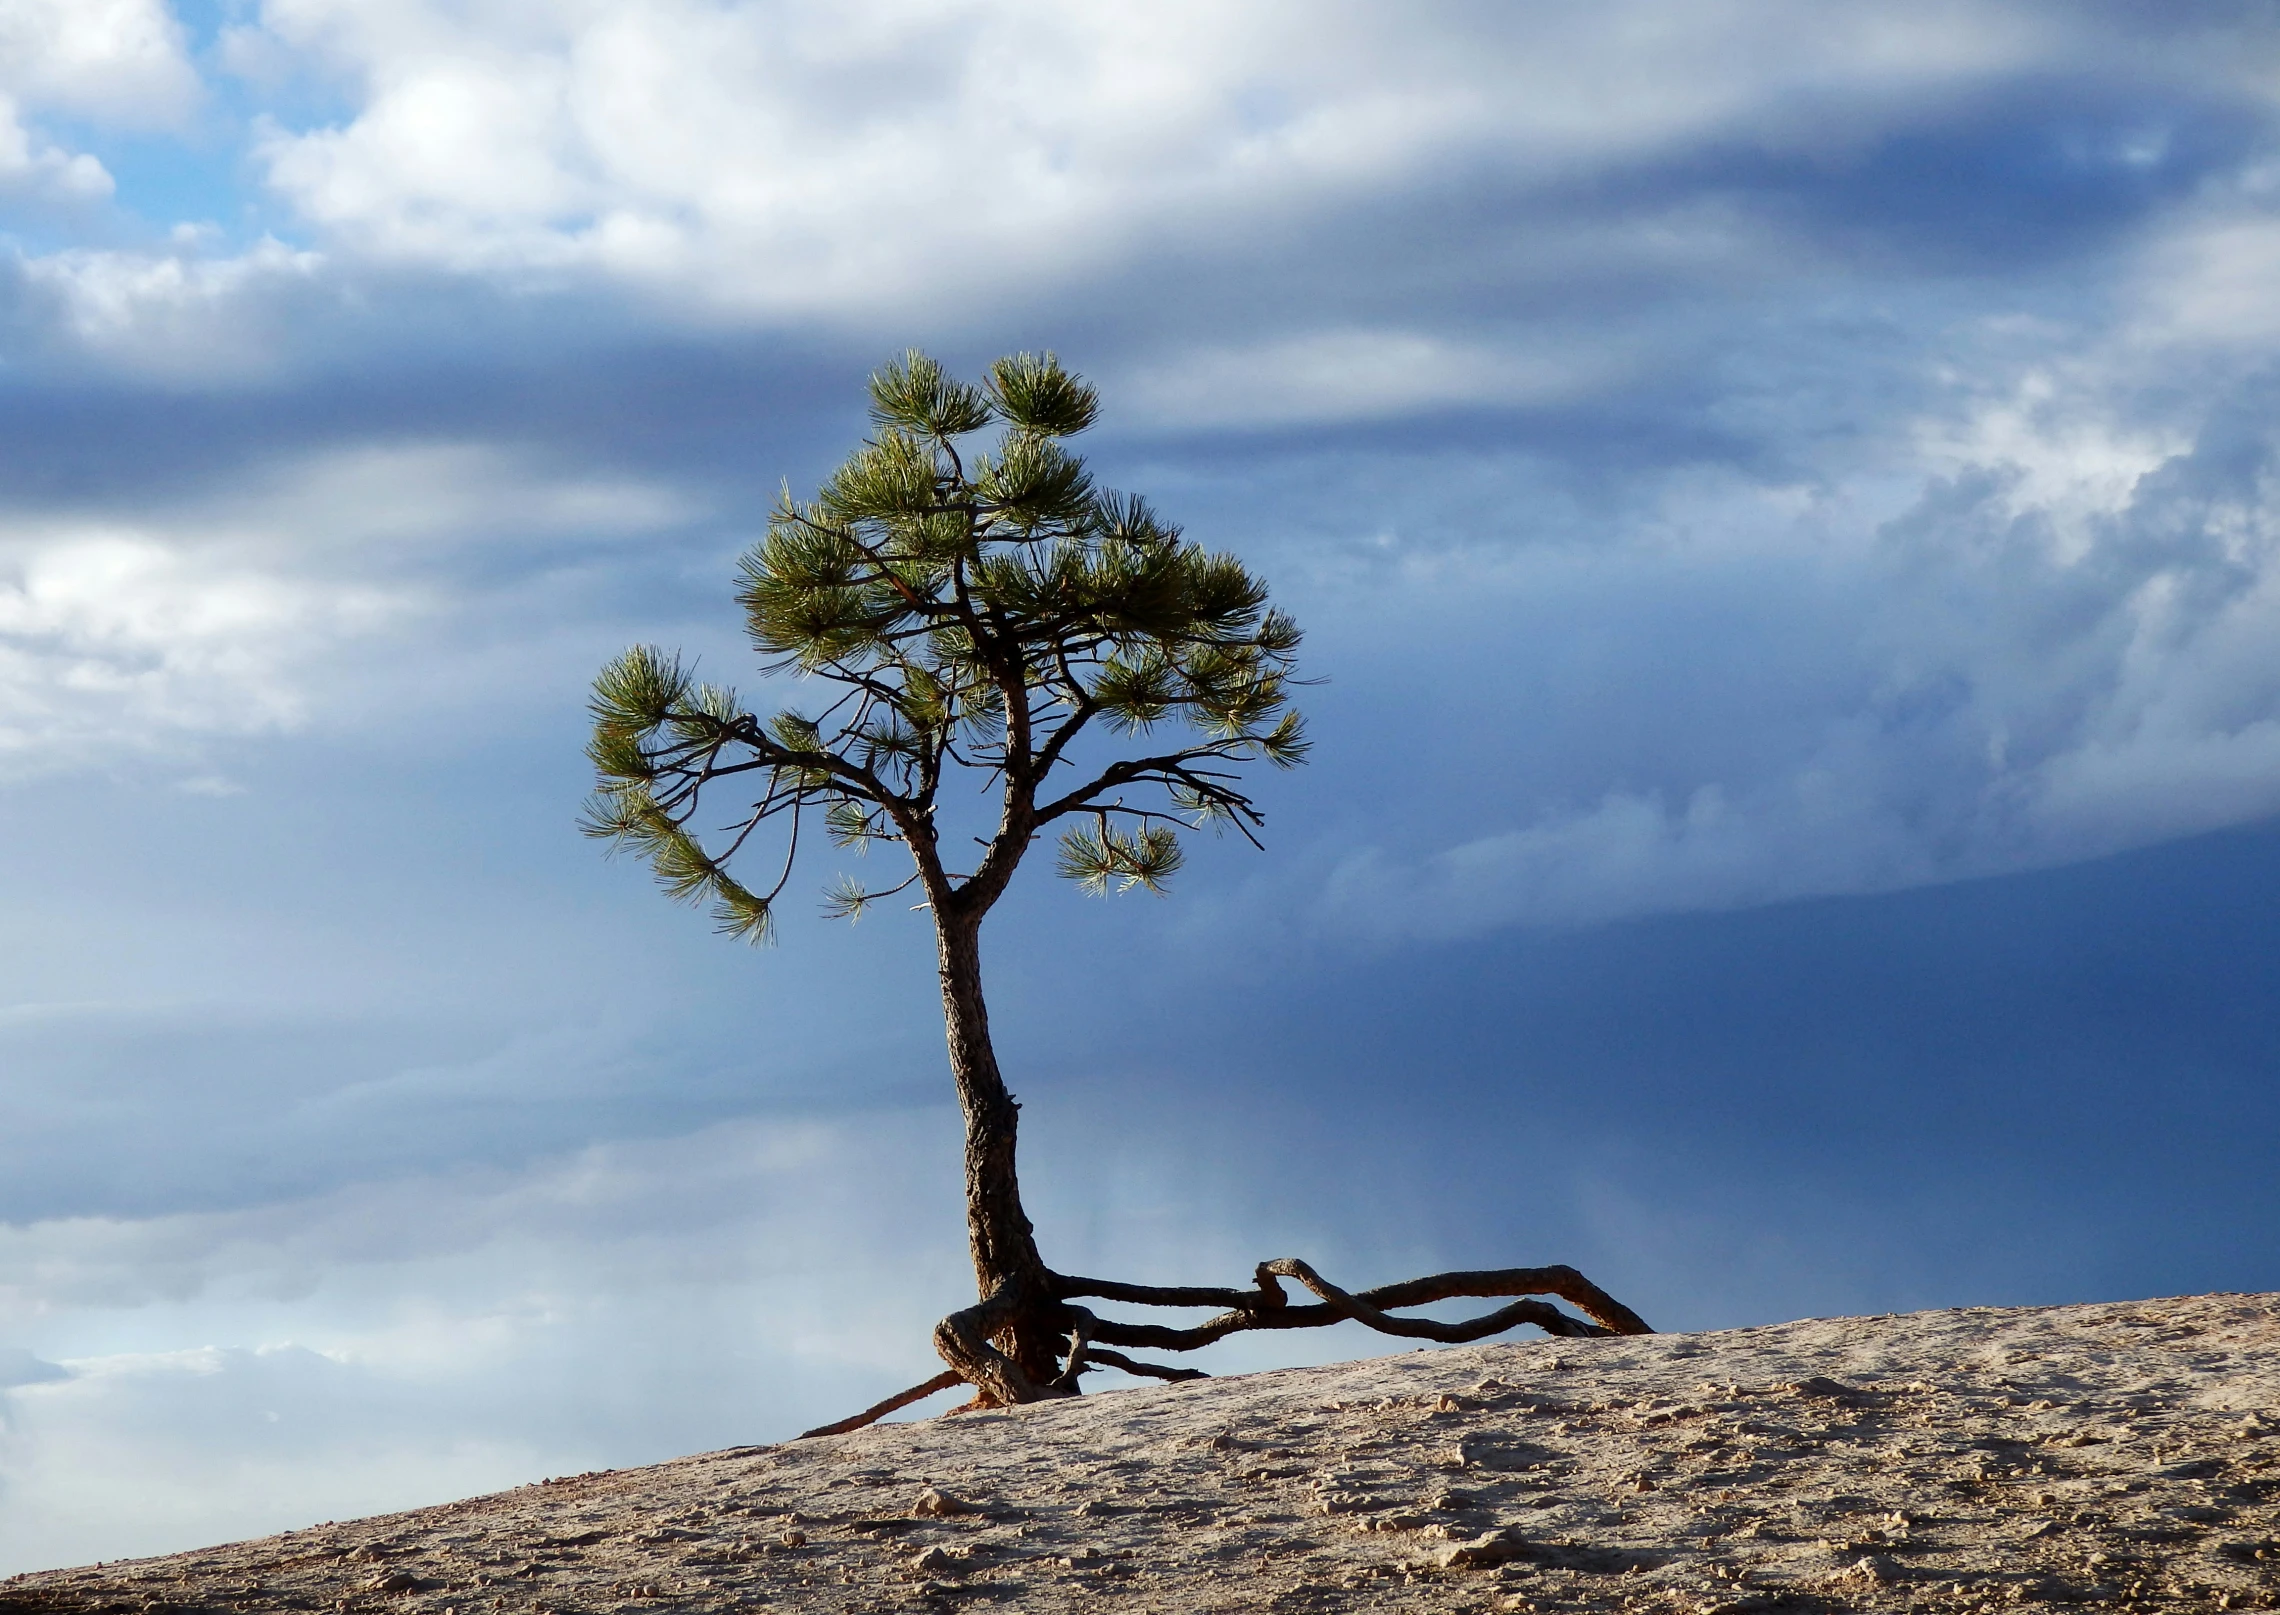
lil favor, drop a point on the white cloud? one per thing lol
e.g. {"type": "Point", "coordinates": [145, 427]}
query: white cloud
{"type": "Point", "coordinates": [2211, 283]}
{"type": "Point", "coordinates": [161, 1451]}
{"type": "Point", "coordinates": [2067, 460]}
{"type": "Point", "coordinates": [399, 1343]}
{"type": "Point", "coordinates": [1349, 375]}
{"type": "Point", "coordinates": [31, 164]}
{"type": "Point", "coordinates": [172, 315]}
{"type": "Point", "coordinates": [953, 153]}
{"type": "Point", "coordinates": [119, 61]}
{"type": "Point", "coordinates": [233, 611]}
{"type": "Point", "coordinates": [111, 639]}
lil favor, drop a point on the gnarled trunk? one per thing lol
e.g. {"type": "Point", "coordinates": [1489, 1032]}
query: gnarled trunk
{"type": "Point", "coordinates": [1006, 1262]}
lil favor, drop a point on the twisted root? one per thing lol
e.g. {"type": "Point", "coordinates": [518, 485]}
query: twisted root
{"type": "Point", "coordinates": [966, 1339]}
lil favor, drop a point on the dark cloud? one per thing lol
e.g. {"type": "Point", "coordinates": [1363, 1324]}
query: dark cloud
{"type": "Point", "coordinates": [2020, 176]}
{"type": "Point", "coordinates": [2078, 1052]}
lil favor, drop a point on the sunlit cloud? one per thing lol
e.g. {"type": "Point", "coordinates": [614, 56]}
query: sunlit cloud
{"type": "Point", "coordinates": [826, 160]}
{"type": "Point", "coordinates": [235, 610]}
{"type": "Point", "coordinates": [118, 62]}
{"type": "Point", "coordinates": [121, 61]}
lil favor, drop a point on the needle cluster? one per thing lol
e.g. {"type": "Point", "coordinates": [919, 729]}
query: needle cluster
{"type": "Point", "coordinates": [963, 606]}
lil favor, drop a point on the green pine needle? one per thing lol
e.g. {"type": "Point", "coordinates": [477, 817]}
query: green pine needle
{"type": "Point", "coordinates": [936, 589]}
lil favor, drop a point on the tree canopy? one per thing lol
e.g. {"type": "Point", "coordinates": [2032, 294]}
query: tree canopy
{"type": "Point", "coordinates": [965, 606]}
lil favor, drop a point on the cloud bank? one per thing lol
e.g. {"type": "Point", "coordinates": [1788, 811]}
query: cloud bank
{"type": "Point", "coordinates": [1945, 323]}
{"type": "Point", "coordinates": [1730, 459]}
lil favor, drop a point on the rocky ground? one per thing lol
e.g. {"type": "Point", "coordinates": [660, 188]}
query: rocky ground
{"type": "Point", "coordinates": [2120, 1455]}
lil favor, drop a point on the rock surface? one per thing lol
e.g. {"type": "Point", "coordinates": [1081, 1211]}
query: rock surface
{"type": "Point", "coordinates": [2118, 1455]}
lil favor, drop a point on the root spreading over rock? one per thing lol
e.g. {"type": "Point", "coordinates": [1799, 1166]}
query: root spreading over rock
{"type": "Point", "coordinates": [2116, 1457]}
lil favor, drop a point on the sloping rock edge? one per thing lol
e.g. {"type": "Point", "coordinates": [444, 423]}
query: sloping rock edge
{"type": "Point", "coordinates": [2122, 1455]}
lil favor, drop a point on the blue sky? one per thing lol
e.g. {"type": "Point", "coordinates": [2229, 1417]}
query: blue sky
{"type": "Point", "coordinates": [1783, 502]}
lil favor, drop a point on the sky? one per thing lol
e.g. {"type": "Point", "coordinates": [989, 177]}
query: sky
{"type": "Point", "coordinates": [1785, 504]}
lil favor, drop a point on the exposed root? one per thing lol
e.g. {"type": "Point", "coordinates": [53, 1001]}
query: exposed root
{"type": "Point", "coordinates": [966, 1339]}
{"type": "Point", "coordinates": [1081, 1326]}
{"type": "Point", "coordinates": [1268, 1306]}
{"type": "Point", "coordinates": [879, 1410]}
{"type": "Point", "coordinates": [1540, 1313]}
{"type": "Point", "coordinates": [1102, 1357]}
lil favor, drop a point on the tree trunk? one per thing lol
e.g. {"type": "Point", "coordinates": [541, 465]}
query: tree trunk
{"type": "Point", "coordinates": [1003, 1242]}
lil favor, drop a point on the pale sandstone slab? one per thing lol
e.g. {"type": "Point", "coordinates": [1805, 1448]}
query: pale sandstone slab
{"type": "Point", "coordinates": [2122, 1455]}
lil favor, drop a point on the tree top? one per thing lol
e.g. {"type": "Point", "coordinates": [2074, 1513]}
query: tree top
{"type": "Point", "coordinates": [959, 606]}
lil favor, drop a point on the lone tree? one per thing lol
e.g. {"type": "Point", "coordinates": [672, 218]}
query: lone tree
{"type": "Point", "coordinates": [984, 612]}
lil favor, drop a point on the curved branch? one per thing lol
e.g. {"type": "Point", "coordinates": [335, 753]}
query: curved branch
{"type": "Point", "coordinates": [850, 779]}
{"type": "Point", "coordinates": [791, 851]}
{"type": "Point", "coordinates": [1168, 769]}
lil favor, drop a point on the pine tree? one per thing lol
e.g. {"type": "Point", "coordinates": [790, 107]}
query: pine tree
{"type": "Point", "coordinates": [980, 610]}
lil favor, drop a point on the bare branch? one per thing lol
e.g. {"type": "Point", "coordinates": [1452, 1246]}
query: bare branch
{"type": "Point", "coordinates": [771, 753]}
{"type": "Point", "coordinates": [791, 853]}
{"type": "Point", "coordinates": [1173, 767]}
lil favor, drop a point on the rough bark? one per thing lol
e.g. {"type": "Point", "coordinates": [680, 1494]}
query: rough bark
{"type": "Point", "coordinates": [1019, 1309]}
